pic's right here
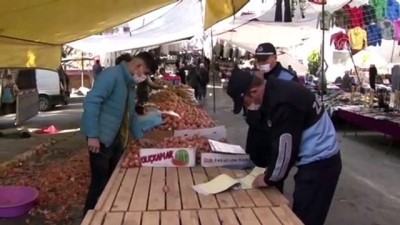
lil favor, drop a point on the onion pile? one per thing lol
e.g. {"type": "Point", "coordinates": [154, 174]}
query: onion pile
{"type": "Point", "coordinates": [192, 117]}
{"type": "Point", "coordinates": [132, 157]}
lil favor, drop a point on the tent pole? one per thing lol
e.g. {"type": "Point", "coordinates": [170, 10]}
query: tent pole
{"type": "Point", "coordinates": [82, 69]}
{"type": "Point", "coordinates": [322, 78]}
{"type": "Point", "coordinates": [393, 47]}
{"type": "Point", "coordinates": [212, 67]}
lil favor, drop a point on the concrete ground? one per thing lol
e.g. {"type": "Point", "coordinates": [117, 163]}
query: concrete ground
{"type": "Point", "coordinates": [369, 188]}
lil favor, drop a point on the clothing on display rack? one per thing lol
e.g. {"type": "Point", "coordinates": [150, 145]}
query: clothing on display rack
{"type": "Point", "coordinates": [380, 8]}
{"type": "Point", "coordinates": [393, 10]}
{"type": "Point", "coordinates": [287, 17]}
{"type": "Point", "coordinates": [387, 30]}
{"type": "Point", "coordinates": [395, 78]}
{"type": "Point", "coordinates": [374, 35]}
{"type": "Point", "coordinates": [325, 20]}
{"type": "Point", "coordinates": [340, 40]}
{"type": "Point", "coordinates": [341, 18]}
{"type": "Point", "coordinates": [356, 16]}
{"type": "Point", "coordinates": [358, 38]}
{"type": "Point", "coordinates": [369, 14]}
{"type": "Point", "coordinates": [396, 25]}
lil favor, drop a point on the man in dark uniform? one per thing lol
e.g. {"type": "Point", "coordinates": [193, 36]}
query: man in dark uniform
{"type": "Point", "coordinates": [300, 133]}
{"type": "Point", "coordinates": [268, 65]}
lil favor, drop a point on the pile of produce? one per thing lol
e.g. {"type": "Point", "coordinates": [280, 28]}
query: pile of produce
{"type": "Point", "coordinates": [62, 184]}
{"type": "Point", "coordinates": [190, 116]}
{"type": "Point", "coordinates": [132, 158]}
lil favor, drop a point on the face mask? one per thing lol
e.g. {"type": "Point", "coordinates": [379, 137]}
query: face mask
{"type": "Point", "coordinates": [253, 107]}
{"type": "Point", "coordinates": [139, 79]}
{"type": "Point", "coordinates": [266, 68]}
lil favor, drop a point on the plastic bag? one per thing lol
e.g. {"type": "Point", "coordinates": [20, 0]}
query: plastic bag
{"type": "Point", "coordinates": [142, 123]}
{"type": "Point", "coordinates": [7, 96]}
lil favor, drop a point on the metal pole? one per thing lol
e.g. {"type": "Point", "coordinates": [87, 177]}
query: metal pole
{"type": "Point", "coordinates": [212, 70]}
{"type": "Point", "coordinates": [322, 76]}
{"type": "Point", "coordinates": [82, 69]}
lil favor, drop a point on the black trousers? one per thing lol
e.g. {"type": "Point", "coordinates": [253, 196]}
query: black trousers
{"type": "Point", "coordinates": [315, 185]}
{"type": "Point", "coordinates": [102, 165]}
{"type": "Point", "coordinates": [287, 13]}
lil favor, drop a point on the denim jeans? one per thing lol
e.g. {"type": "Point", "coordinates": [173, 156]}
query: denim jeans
{"type": "Point", "coordinates": [102, 165]}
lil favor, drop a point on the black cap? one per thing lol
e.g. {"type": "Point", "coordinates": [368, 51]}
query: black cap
{"type": "Point", "coordinates": [239, 82]}
{"type": "Point", "coordinates": [265, 49]}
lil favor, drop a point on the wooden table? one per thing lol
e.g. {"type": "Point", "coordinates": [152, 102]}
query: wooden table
{"type": "Point", "coordinates": [136, 196]}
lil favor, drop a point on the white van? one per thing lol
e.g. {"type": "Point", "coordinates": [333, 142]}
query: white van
{"type": "Point", "coordinates": [51, 90]}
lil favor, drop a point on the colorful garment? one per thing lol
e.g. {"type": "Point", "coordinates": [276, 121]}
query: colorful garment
{"type": "Point", "coordinates": [341, 18]}
{"type": "Point", "coordinates": [387, 30]}
{"type": "Point", "coordinates": [374, 35]}
{"type": "Point", "coordinates": [325, 21]}
{"type": "Point", "coordinates": [340, 40]}
{"type": "Point", "coordinates": [396, 25]}
{"type": "Point", "coordinates": [358, 38]}
{"type": "Point", "coordinates": [356, 16]}
{"type": "Point", "coordinates": [369, 14]}
{"type": "Point", "coordinates": [380, 8]}
{"type": "Point", "coordinates": [393, 10]}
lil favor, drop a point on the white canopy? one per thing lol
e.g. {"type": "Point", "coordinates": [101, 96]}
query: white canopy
{"type": "Point", "coordinates": [182, 21]}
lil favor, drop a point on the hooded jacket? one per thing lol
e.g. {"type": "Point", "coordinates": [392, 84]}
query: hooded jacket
{"type": "Point", "coordinates": [374, 35]}
{"type": "Point", "coordinates": [393, 10]}
{"type": "Point", "coordinates": [358, 38]}
{"type": "Point", "coordinates": [369, 14]}
{"type": "Point", "coordinates": [380, 8]}
{"type": "Point", "coordinates": [387, 30]}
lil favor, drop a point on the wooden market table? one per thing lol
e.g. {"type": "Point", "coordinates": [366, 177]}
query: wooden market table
{"type": "Point", "coordinates": [136, 196]}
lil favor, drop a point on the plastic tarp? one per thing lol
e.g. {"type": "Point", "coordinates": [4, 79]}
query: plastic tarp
{"type": "Point", "coordinates": [182, 21]}
{"type": "Point", "coordinates": [218, 10]}
{"type": "Point", "coordinates": [32, 32]}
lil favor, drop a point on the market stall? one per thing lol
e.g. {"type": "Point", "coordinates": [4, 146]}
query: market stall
{"type": "Point", "coordinates": [154, 181]}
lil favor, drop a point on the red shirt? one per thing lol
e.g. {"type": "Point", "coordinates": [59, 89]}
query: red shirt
{"type": "Point", "coordinates": [340, 40]}
{"type": "Point", "coordinates": [356, 16]}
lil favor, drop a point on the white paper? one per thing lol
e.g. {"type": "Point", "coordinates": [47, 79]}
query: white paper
{"type": "Point", "coordinates": [217, 185]}
{"type": "Point", "coordinates": [247, 181]}
{"type": "Point", "coordinates": [221, 147]}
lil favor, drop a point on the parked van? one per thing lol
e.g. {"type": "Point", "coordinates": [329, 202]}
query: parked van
{"type": "Point", "coordinates": [18, 94]}
{"type": "Point", "coordinates": [52, 88]}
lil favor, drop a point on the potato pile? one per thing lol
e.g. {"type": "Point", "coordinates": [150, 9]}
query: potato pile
{"type": "Point", "coordinates": [132, 157]}
{"type": "Point", "coordinates": [191, 116]}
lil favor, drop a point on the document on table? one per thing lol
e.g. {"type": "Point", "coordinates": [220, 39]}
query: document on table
{"type": "Point", "coordinates": [224, 182]}
{"type": "Point", "coordinates": [221, 147]}
{"type": "Point", "coordinates": [247, 181]}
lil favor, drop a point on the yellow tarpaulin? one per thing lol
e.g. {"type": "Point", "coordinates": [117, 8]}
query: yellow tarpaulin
{"type": "Point", "coordinates": [33, 31]}
{"type": "Point", "coordinates": [218, 10]}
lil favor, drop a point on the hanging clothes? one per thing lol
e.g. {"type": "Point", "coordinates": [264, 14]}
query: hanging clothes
{"type": "Point", "coordinates": [387, 30]}
{"type": "Point", "coordinates": [319, 2]}
{"type": "Point", "coordinates": [356, 16]}
{"type": "Point", "coordinates": [287, 17]}
{"type": "Point", "coordinates": [374, 35]}
{"type": "Point", "coordinates": [303, 7]}
{"type": "Point", "coordinates": [340, 40]}
{"type": "Point", "coordinates": [393, 9]}
{"type": "Point", "coordinates": [341, 18]}
{"type": "Point", "coordinates": [358, 38]}
{"type": "Point", "coordinates": [380, 8]}
{"type": "Point", "coordinates": [325, 20]}
{"type": "Point", "coordinates": [396, 25]}
{"type": "Point", "coordinates": [369, 14]}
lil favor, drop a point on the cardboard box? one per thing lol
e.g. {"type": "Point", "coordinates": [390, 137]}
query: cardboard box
{"type": "Point", "coordinates": [221, 159]}
{"type": "Point", "coordinates": [215, 133]}
{"type": "Point", "coordinates": [168, 157]}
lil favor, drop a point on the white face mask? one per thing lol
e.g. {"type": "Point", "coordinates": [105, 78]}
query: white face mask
{"type": "Point", "coordinates": [266, 68]}
{"type": "Point", "coordinates": [254, 107]}
{"type": "Point", "coordinates": [139, 79]}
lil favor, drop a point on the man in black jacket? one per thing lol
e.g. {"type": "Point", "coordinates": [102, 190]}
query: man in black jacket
{"type": "Point", "coordinates": [300, 133]}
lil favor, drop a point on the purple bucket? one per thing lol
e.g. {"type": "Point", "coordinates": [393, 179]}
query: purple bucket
{"type": "Point", "coordinates": [17, 200]}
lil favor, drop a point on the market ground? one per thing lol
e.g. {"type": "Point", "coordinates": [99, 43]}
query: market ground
{"type": "Point", "coordinates": [369, 188]}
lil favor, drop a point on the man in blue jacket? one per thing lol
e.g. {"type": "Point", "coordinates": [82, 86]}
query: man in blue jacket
{"type": "Point", "coordinates": [109, 115]}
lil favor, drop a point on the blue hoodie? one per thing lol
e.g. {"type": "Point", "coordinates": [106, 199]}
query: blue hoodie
{"type": "Point", "coordinates": [374, 34]}
{"type": "Point", "coordinates": [393, 10]}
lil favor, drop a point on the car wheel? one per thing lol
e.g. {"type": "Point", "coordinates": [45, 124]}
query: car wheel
{"type": "Point", "coordinates": [44, 103]}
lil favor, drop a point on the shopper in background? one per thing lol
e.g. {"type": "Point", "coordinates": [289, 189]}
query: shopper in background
{"type": "Point", "coordinates": [108, 118]}
{"type": "Point", "coordinates": [204, 80]}
{"type": "Point", "coordinates": [182, 72]}
{"type": "Point", "coordinates": [373, 74]}
{"type": "Point", "coordinates": [96, 69]}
